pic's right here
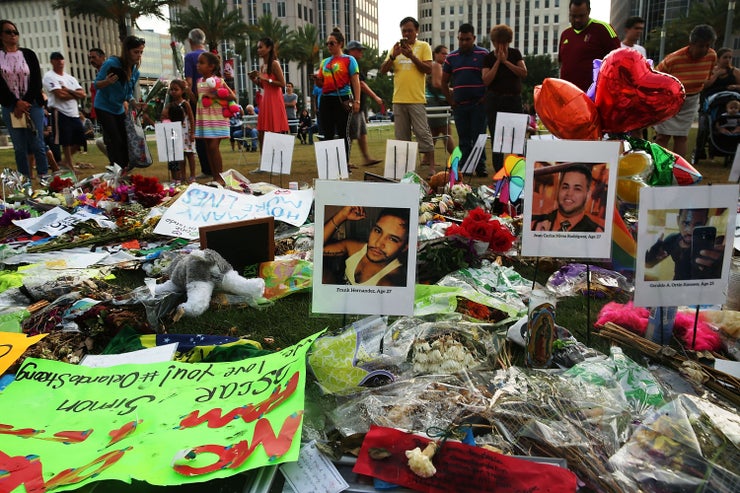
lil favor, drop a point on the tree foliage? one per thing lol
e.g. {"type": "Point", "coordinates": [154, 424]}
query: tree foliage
{"type": "Point", "coordinates": [217, 22]}
{"type": "Point", "coordinates": [712, 12]}
{"type": "Point", "coordinates": [118, 11]}
{"type": "Point", "coordinates": [539, 67]}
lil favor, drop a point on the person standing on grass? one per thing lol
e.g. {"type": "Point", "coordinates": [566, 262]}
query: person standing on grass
{"type": "Point", "coordinates": [503, 73]}
{"type": "Point", "coordinates": [21, 97]}
{"type": "Point", "coordinates": [272, 116]}
{"type": "Point", "coordinates": [64, 91]}
{"type": "Point", "coordinates": [411, 60]}
{"type": "Point", "coordinates": [179, 110]}
{"type": "Point", "coordinates": [339, 78]}
{"type": "Point", "coordinates": [96, 57]}
{"type": "Point", "coordinates": [197, 41]}
{"type": "Point", "coordinates": [211, 126]}
{"type": "Point", "coordinates": [439, 124]}
{"type": "Point", "coordinates": [633, 28]}
{"type": "Point", "coordinates": [583, 42]}
{"type": "Point", "coordinates": [692, 65]}
{"type": "Point", "coordinates": [358, 126]}
{"type": "Point", "coordinates": [290, 99]}
{"type": "Point", "coordinates": [464, 67]}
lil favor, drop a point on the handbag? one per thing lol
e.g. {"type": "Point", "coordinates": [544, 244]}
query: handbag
{"type": "Point", "coordinates": [138, 152]}
{"type": "Point", "coordinates": [348, 103]}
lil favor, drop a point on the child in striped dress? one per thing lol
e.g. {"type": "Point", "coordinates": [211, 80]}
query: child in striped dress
{"type": "Point", "coordinates": [210, 123]}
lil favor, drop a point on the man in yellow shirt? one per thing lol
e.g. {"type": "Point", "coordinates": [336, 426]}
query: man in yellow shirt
{"type": "Point", "coordinates": [411, 60]}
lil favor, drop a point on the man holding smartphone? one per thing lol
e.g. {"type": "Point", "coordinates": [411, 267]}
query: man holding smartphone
{"type": "Point", "coordinates": [411, 60]}
{"type": "Point", "coordinates": [694, 250]}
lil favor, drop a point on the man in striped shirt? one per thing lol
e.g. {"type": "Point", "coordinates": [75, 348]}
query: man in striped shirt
{"type": "Point", "coordinates": [583, 42]}
{"type": "Point", "coordinates": [692, 65]}
{"type": "Point", "coordinates": [464, 67]}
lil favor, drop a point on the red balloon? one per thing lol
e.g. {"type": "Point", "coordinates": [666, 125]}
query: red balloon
{"type": "Point", "coordinates": [631, 95]}
{"type": "Point", "coordinates": [566, 110]}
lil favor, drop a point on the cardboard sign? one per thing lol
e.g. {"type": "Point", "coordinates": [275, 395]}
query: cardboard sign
{"type": "Point", "coordinates": [277, 153]}
{"type": "Point", "coordinates": [474, 157]}
{"type": "Point", "coordinates": [569, 192]}
{"type": "Point", "coordinates": [684, 244]}
{"type": "Point", "coordinates": [344, 281]}
{"type": "Point", "coordinates": [164, 423]}
{"type": "Point", "coordinates": [400, 158]}
{"type": "Point", "coordinates": [13, 345]}
{"type": "Point", "coordinates": [510, 133]}
{"type": "Point", "coordinates": [331, 159]}
{"type": "Point", "coordinates": [169, 142]}
{"type": "Point", "coordinates": [206, 206]}
{"type": "Point", "coordinates": [241, 243]}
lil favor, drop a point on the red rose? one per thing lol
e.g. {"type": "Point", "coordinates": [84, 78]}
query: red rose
{"type": "Point", "coordinates": [481, 231]}
{"type": "Point", "coordinates": [501, 239]}
{"type": "Point", "coordinates": [455, 230]}
{"type": "Point", "coordinates": [478, 215]}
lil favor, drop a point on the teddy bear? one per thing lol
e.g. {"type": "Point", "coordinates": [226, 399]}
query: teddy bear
{"type": "Point", "coordinates": [200, 272]}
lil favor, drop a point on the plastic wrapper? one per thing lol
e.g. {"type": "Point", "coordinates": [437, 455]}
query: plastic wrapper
{"type": "Point", "coordinates": [689, 444]}
{"type": "Point", "coordinates": [570, 280]}
{"type": "Point", "coordinates": [637, 385]}
{"type": "Point", "coordinates": [354, 356]}
{"type": "Point", "coordinates": [543, 414]}
{"type": "Point", "coordinates": [422, 403]}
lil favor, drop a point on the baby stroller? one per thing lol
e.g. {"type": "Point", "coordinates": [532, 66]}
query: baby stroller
{"type": "Point", "coordinates": [710, 142]}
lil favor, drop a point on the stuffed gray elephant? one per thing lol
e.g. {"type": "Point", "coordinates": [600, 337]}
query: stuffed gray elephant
{"type": "Point", "coordinates": [200, 272]}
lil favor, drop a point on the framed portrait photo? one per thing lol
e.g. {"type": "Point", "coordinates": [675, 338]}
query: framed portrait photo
{"type": "Point", "coordinates": [569, 193]}
{"type": "Point", "coordinates": [365, 247]}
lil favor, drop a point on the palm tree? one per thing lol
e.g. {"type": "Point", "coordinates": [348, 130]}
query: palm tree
{"type": "Point", "coordinates": [122, 12]}
{"type": "Point", "coordinates": [214, 19]}
{"type": "Point", "coordinates": [269, 27]}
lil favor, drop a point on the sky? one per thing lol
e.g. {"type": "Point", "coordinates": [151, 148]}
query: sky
{"type": "Point", "coordinates": [389, 32]}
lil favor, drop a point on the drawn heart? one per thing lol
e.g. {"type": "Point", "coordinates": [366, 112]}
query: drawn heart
{"type": "Point", "coordinates": [631, 95]}
{"type": "Point", "coordinates": [566, 110]}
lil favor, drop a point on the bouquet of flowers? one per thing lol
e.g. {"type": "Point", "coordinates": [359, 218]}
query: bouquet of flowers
{"type": "Point", "coordinates": [479, 227]}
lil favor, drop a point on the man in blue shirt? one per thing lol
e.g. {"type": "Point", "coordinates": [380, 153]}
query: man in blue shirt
{"type": "Point", "coordinates": [464, 68]}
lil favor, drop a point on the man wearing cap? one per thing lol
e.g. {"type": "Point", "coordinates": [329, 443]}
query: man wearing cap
{"type": "Point", "coordinates": [64, 91]}
{"type": "Point", "coordinates": [358, 127]}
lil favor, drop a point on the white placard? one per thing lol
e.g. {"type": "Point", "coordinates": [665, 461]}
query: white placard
{"type": "Point", "coordinates": [200, 206]}
{"type": "Point", "coordinates": [735, 171]}
{"type": "Point", "coordinates": [313, 472]}
{"type": "Point", "coordinates": [155, 354]}
{"type": "Point", "coordinates": [169, 141]}
{"type": "Point", "coordinates": [277, 153]}
{"type": "Point", "coordinates": [684, 245]}
{"type": "Point", "coordinates": [474, 157]}
{"type": "Point", "coordinates": [331, 159]}
{"type": "Point", "coordinates": [510, 132]}
{"type": "Point", "coordinates": [400, 158]}
{"type": "Point", "coordinates": [557, 221]}
{"type": "Point", "coordinates": [345, 246]}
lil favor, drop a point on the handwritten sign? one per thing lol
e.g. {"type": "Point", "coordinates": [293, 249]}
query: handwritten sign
{"type": "Point", "coordinates": [57, 221]}
{"type": "Point", "coordinates": [313, 473]}
{"type": "Point", "coordinates": [13, 345]}
{"type": "Point", "coordinates": [164, 423]}
{"type": "Point", "coordinates": [205, 206]}
{"type": "Point", "coordinates": [462, 468]}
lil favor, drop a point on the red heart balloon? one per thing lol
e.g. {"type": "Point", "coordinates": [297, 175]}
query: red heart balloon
{"type": "Point", "coordinates": [566, 110]}
{"type": "Point", "coordinates": [631, 95]}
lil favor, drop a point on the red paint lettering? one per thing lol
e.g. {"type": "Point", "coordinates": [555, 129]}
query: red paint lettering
{"type": "Point", "coordinates": [248, 413]}
{"type": "Point", "coordinates": [233, 456]}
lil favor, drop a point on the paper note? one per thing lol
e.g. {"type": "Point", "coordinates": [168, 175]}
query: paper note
{"type": "Point", "coordinates": [313, 473]}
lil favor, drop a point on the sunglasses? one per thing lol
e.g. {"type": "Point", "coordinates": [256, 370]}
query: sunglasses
{"type": "Point", "coordinates": [11, 32]}
{"type": "Point", "coordinates": [331, 43]}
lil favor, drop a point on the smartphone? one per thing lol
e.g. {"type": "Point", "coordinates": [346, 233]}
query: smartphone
{"type": "Point", "coordinates": [702, 238]}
